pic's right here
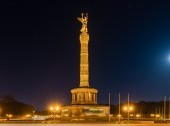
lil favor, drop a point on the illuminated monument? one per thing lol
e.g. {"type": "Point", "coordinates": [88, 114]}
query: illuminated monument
{"type": "Point", "coordinates": [84, 94]}
{"type": "Point", "coordinates": [84, 98]}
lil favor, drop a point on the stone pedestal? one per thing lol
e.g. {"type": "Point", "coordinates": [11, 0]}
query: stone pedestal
{"type": "Point", "coordinates": [84, 96]}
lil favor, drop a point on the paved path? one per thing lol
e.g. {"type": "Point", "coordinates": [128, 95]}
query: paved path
{"type": "Point", "coordinates": [84, 124]}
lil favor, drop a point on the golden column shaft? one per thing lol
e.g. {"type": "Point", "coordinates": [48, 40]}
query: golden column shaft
{"type": "Point", "coordinates": [84, 64]}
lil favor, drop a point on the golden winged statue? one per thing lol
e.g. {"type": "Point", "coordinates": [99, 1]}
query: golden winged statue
{"type": "Point", "coordinates": [83, 20]}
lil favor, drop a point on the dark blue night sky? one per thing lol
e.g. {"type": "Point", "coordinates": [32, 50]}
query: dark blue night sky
{"type": "Point", "coordinates": [129, 48]}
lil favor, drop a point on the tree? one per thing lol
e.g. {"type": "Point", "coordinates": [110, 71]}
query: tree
{"type": "Point", "coordinates": [9, 105]}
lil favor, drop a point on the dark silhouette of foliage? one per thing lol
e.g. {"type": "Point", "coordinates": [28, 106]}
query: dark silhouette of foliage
{"type": "Point", "coordinates": [9, 105]}
{"type": "Point", "coordinates": [143, 107]}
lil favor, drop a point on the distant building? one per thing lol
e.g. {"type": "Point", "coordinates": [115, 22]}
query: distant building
{"type": "Point", "coordinates": [84, 97]}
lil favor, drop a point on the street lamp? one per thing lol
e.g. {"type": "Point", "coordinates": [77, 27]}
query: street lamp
{"type": "Point", "coordinates": [9, 116]}
{"type": "Point", "coordinates": [55, 109]}
{"type": "Point", "coordinates": [128, 109]}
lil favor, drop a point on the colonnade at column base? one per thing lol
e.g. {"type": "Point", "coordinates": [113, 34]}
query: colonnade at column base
{"type": "Point", "coordinates": [84, 95]}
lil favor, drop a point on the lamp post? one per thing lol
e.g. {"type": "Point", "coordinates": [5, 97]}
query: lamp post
{"type": "Point", "coordinates": [119, 108]}
{"type": "Point", "coordinates": [54, 109]}
{"type": "Point", "coordinates": [109, 107]}
{"type": "Point", "coordinates": [128, 109]}
{"type": "Point", "coordinates": [0, 112]}
{"type": "Point", "coordinates": [164, 108]}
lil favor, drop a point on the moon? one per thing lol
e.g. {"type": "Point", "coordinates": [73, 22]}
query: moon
{"type": "Point", "coordinates": [169, 58]}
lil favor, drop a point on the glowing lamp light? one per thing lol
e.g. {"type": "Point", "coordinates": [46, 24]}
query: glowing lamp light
{"type": "Point", "coordinates": [119, 115]}
{"type": "Point", "coordinates": [131, 115]}
{"type": "Point", "coordinates": [126, 108]}
{"type": "Point", "coordinates": [130, 108]}
{"type": "Point", "coordinates": [157, 115]}
{"type": "Point", "coordinates": [9, 115]}
{"type": "Point", "coordinates": [57, 108]}
{"type": "Point", "coordinates": [152, 115]}
{"type": "Point", "coordinates": [28, 115]}
{"type": "Point", "coordinates": [51, 108]}
{"type": "Point", "coordinates": [137, 115]}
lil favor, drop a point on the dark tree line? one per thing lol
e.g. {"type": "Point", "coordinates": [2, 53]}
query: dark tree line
{"type": "Point", "coordinates": [9, 105]}
{"type": "Point", "coordinates": [144, 107]}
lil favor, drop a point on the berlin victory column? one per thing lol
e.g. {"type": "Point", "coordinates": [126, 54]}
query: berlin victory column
{"type": "Point", "coordinates": [84, 97]}
{"type": "Point", "coordinates": [84, 94]}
